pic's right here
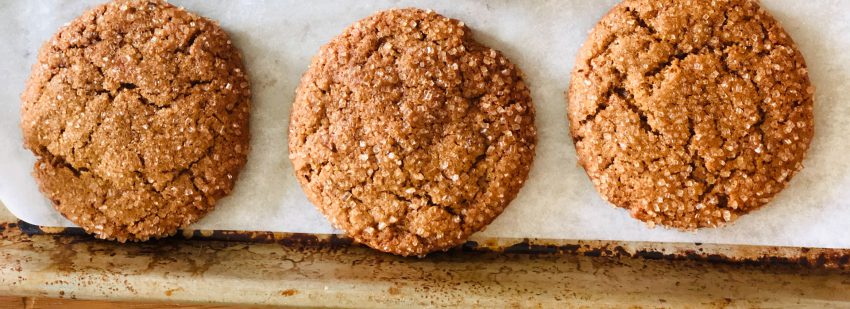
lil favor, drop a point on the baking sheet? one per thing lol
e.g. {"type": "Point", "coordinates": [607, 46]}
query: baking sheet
{"type": "Point", "coordinates": [278, 39]}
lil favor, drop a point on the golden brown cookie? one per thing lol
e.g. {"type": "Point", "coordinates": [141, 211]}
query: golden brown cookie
{"type": "Point", "coordinates": [408, 134]}
{"type": "Point", "coordinates": [690, 113]}
{"type": "Point", "coordinates": [138, 114]}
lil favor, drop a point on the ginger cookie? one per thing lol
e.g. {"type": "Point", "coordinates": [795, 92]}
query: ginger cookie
{"type": "Point", "coordinates": [690, 114]}
{"type": "Point", "coordinates": [408, 134]}
{"type": "Point", "coordinates": [138, 114]}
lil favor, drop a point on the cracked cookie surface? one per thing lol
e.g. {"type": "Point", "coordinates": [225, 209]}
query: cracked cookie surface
{"type": "Point", "coordinates": [690, 113]}
{"type": "Point", "coordinates": [408, 134]}
{"type": "Point", "coordinates": [138, 114]}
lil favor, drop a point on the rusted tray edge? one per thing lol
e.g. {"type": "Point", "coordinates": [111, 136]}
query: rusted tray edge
{"type": "Point", "coordinates": [824, 258]}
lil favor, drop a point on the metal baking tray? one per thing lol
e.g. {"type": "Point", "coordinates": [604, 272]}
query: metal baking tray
{"type": "Point", "coordinates": [490, 31]}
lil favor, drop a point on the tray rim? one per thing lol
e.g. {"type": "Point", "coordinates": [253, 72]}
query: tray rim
{"type": "Point", "coordinates": [807, 257]}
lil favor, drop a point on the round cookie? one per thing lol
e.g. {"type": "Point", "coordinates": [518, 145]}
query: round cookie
{"type": "Point", "coordinates": [690, 113]}
{"type": "Point", "coordinates": [408, 134]}
{"type": "Point", "coordinates": [138, 114]}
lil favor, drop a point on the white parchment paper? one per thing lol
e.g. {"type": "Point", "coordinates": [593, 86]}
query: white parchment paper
{"type": "Point", "coordinates": [278, 39]}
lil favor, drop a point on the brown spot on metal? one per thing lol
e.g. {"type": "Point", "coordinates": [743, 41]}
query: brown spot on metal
{"type": "Point", "coordinates": [62, 257]}
{"type": "Point", "coordinates": [200, 266]}
{"type": "Point", "coordinates": [288, 292]}
{"type": "Point", "coordinates": [171, 291]}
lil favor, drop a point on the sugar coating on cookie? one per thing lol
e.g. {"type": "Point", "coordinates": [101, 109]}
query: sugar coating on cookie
{"type": "Point", "coordinates": [690, 113]}
{"type": "Point", "coordinates": [138, 114]}
{"type": "Point", "coordinates": [408, 134]}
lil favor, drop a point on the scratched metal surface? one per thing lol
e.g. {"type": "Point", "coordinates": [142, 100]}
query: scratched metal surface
{"type": "Point", "coordinates": [303, 270]}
